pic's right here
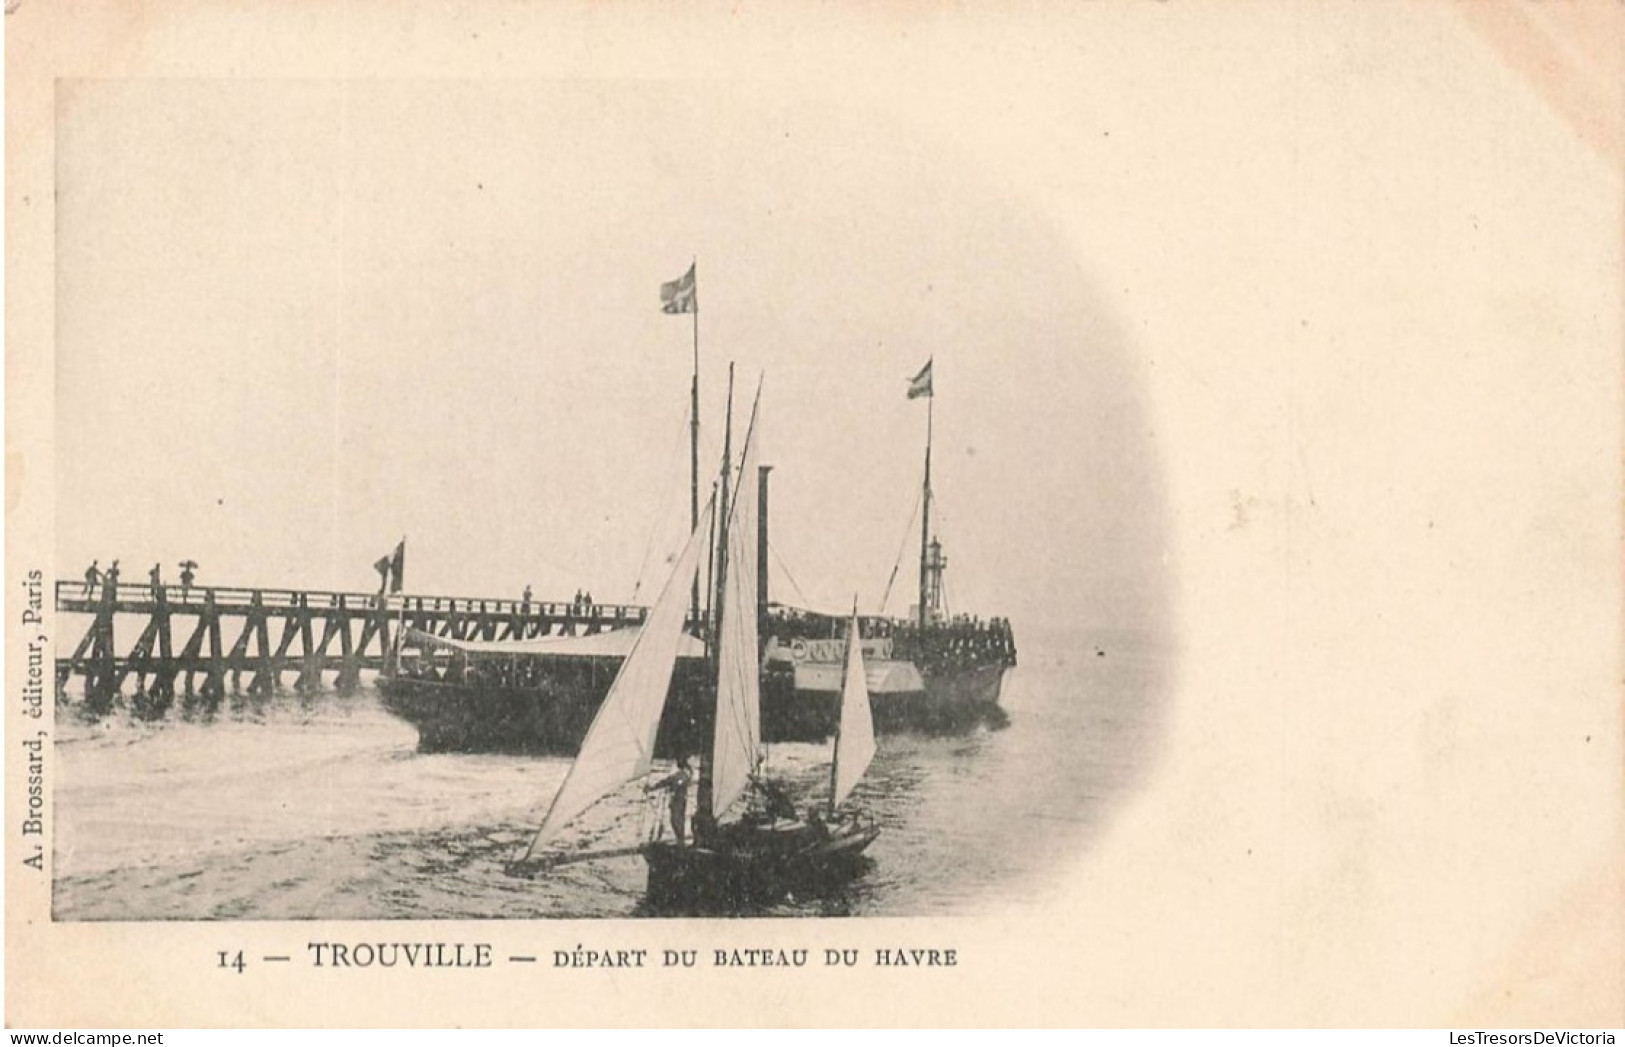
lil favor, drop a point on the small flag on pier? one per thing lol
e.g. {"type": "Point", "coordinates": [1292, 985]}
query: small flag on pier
{"type": "Point", "coordinates": [397, 567]}
{"type": "Point", "coordinates": [920, 384]}
{"type": "Point", "coordinates": [679, 295]}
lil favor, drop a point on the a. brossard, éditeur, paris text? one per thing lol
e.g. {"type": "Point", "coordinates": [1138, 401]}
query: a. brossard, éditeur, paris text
{"type": "Point", "coordinates": [33, 702]}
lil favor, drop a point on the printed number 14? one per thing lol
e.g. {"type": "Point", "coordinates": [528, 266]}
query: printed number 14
{"type": "Point", "coordinates": [227, 960]}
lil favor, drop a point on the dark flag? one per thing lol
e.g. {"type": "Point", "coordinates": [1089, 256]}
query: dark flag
{"type": "Point", "coordinates": [679, 296]}
{"type": "Point", "coordinates": [920, 384]}
{"type": "Point", "coordinates": [397, 567]}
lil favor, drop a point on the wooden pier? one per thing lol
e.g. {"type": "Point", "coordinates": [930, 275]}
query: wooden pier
{"type": "Point", "coordinates": [312, 639]}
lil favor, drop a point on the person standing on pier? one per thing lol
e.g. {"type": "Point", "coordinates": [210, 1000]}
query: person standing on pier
{"type": "Point", "coordinates": [110, 579]}
{"type": "Point", "coordinates": [187, 567]}
{"type": "Point", "coordinates": [524, 603]}
{"type": "Point", "coordinates": [93, 575]}
{"type": "Point", "coordinates": [382, 567]}
{"type": "Point", "coordinates": [156, 577]}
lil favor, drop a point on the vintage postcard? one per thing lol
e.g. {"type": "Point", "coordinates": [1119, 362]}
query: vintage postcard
{"type": "Point", "coordinates": [784, 515]}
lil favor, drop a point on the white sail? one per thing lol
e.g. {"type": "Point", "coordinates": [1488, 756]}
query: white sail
{"type": "Point", "coordinates": [855, 737]}
{"type": "Point", "coordinates": [738, 739]}
{"type": "Point", "coordinates": [620, 743]}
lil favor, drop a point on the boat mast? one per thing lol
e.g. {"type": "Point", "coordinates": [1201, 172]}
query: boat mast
{"type": "Point", "coordinates": [835, 756]}
{"type": "Point", "coordinates": [835, 765]}
{"type": "Point", "coordinates": [722, 529]}
{"type": "Point", "coordinates": [713, 639]}
{"type": "Point", "coordinates": [694, 443]}
{"type": "Point", "coordinates": [925, 515]}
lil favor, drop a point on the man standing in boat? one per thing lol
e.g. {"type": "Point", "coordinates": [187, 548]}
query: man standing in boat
{"type": "Point", "coordinates": [678, 782]}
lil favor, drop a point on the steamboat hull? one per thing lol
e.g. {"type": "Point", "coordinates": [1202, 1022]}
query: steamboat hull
{"type": "Point", "coordinates": [946, 702]}
{"type": "Point", "coordinates": [540, 698]}
{"type": "Point", "coordinates": [548, 717]}
{"type": "Point", "coordinates": [552, 717]}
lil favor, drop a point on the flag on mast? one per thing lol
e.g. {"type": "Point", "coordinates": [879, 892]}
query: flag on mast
{"type": "Point", "coordinates": [397, 567]}
{"type": "Point", "coordinates": [679, 296]}
{"type": "Point", "coordinates": [920, 384]}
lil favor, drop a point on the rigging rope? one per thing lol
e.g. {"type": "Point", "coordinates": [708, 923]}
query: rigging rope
{"type": "Point", "coordinates": [659, 514]}
{"type": "Point", "coordinates": [897, 565]}
{"type": "Point", "coordinates": [790, 577]}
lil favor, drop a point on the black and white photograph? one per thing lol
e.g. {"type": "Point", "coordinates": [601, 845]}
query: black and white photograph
{"type": "Point", "coordinates": [1114, 505]}
{"type": "Point", "coordinates": [493, 575]}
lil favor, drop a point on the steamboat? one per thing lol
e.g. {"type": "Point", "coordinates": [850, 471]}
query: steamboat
{"type": "Point", "coordinates": [928, 672]}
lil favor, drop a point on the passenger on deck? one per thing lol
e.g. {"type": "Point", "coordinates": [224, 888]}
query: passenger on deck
{"type": "Point", "coordinates": [678, 782]}
{"type": "Point", "coordinates": [93, 575]}
{"type": "Point", "coordinates": [776, 802]}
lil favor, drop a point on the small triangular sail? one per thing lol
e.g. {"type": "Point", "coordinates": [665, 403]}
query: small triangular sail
{"type": "Point", "coordinates": [855, 738]}
{"type": "Point", "coordinates": [620, 743]}
{"type": "Point", "coordinates": [738, 739]}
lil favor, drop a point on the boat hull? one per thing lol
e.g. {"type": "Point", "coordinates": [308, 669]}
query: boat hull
{"type": "Point", "coordinates": [548, 717]}
{"type": "Point", "coordinates": [747, 867]}
{"type": "Point", "coordinates": [944, 703]}
{"type": "Point", "coordinates": [552, 716]}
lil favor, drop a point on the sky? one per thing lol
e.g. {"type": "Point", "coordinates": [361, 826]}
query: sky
{"type": "Point", "coordinates": [300, 321]}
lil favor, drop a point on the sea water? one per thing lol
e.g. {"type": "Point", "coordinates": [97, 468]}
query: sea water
{"type": "Point", "coordinates": [319, 806]}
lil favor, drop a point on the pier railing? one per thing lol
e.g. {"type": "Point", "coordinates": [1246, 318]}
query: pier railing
{"type": "Point", "coordinates": [320, 637]}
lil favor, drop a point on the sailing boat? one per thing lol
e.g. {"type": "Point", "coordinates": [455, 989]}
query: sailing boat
{"type": "Point", "coordinates": [747, 843]}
